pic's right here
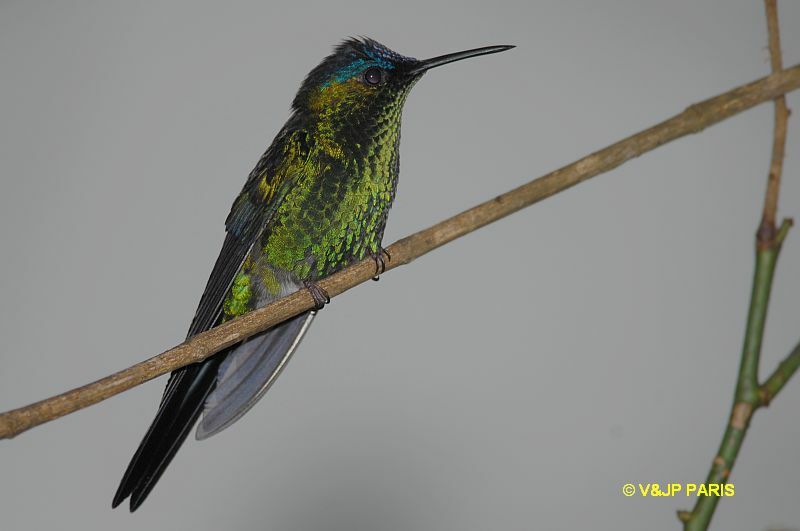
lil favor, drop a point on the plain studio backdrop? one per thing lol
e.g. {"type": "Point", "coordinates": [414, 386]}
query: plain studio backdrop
{"type": "Point", "coordinates": [514, 380]}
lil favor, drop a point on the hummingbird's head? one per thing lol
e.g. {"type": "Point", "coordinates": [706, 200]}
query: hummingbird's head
{"type": "Point", "coordinates": [363, 82]}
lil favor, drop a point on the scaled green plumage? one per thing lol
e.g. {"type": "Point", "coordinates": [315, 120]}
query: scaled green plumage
{"type": "Point", "coordinates": [342, 186]}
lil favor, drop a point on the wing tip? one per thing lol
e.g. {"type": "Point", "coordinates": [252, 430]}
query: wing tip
{"type": "Point", "coordinates": [201, 434]}
{"type": "Point", "coordinates": [207, 428]}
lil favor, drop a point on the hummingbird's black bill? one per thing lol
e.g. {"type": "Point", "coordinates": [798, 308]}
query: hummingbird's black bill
{"type": "Point", "coordinates": [427, 64]}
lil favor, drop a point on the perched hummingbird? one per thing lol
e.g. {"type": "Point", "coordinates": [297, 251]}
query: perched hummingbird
{"type": "Point", "coordinates": [316, 202]}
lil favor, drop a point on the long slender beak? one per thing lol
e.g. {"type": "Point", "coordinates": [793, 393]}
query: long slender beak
{"type": "Point", "coordinates": [427, 64]}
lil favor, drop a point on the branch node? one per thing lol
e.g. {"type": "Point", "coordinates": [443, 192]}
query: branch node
{"type": "Point", "coordinates": [786, 224]}
{"type": "Point", "coordinates": [740, 416]}
{"type": "Point", "coordinates": [764, 397]}
{"type": "Point", "coordinates": [765, 235]}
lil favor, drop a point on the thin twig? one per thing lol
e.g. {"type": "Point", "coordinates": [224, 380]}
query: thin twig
{"type": "Point", "coordinates": [780, 376]}
{"type": "Point", "coordinates": [749, 395]}
{"type": "Point", "coordinates": [693, 120]}
{"type": "Point", "coordinates": [767, 228]}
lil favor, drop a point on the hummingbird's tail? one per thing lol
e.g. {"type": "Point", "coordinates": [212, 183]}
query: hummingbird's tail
{"type": "Point", "coordinates": [222, 388]}
{"type": "Point", "coordinates": [180, 408]}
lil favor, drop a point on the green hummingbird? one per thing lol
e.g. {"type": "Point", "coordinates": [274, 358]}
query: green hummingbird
{"type": "Point", "coordinates": [316, 201]}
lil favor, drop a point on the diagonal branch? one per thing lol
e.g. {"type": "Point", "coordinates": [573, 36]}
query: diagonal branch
{"type": "Point", "coordinates": [693, 120]}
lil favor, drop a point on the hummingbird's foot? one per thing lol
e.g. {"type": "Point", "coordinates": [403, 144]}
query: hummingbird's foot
{"type": "Point", "coordinates": [380, 263]}
{"type": "Point", "coordinates": [321, 297]}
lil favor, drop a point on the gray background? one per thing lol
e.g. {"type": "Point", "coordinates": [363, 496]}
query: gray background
{"type": "Point", "coordinates": [513, 380]}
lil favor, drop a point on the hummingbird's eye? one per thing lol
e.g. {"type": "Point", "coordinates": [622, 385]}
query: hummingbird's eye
{"type": "Point", "coordinates": [373, 75]}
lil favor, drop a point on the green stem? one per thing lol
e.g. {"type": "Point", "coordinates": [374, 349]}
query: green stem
{"type": "Point", "coordinates": [748, 396]}
{"type": "Point", "coordinates": [747, 386]}
{"type": "Point", "coordinates": [782, 374]}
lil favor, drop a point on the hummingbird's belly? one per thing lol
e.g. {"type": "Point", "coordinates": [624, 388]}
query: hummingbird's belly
{"type": "Point", "coordinates": [284, 259]}
{"type": "Point", "coordinates": [333, 217]}
{"type": "Point", "coordinates": [317, 246]}
{"type": "Point", "coordinates": [331, 224]}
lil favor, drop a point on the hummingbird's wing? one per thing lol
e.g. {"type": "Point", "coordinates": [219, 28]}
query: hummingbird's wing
{"type": "Point", "coordinates": [188, 387]}
{"type": "Point", "coordinates": [247, 373]}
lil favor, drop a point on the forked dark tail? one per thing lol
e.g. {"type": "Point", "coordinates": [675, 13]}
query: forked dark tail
{"type": "Point", "coordinates": [180, 408]}
{"type": "Point", "coordinates": [224, 387]}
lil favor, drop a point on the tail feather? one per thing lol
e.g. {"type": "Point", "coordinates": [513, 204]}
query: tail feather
{"type": "Point", "coordinates": [177, 414]}
{"type": "Point", "coordinates": [227, 385]}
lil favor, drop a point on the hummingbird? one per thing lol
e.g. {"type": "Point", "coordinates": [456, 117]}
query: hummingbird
{"type": "Point", "coordinates": [316, 201]}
